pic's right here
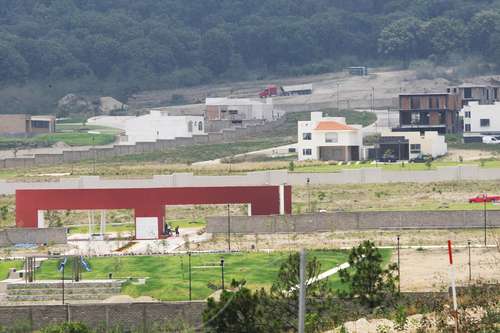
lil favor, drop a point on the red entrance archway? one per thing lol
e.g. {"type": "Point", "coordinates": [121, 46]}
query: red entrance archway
{"type": "Point", "coordinates": [149, 202]}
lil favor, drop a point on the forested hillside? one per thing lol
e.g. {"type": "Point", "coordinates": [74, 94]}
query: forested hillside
{"type": "Point", "coordinates": [48, 47]}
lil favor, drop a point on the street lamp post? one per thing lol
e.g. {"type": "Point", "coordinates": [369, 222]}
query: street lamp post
{"type": "Point", "coordinates": [93, 148]}
{"type": "Point", "coordinates": [399, 269]}
{"type": "Point", "coordinates": [308, 195]}
{"type": "Point", "coordinates": [189, 265]}
{"type": "Point", "coordinates": [62, 281]}
{"type": "Point", "coordinates": [222, 272]}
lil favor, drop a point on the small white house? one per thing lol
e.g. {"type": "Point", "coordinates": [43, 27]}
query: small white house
{"type": "Point", "coordinates": [329, 139]}
{"type": "Point", "coordinates": [418, 144]}
{"type": "Point", "coordinates": [159, 125]}
{"type": "Point", "coordinates": [240, 109]}
{"type": "Point", "coordinates": [481, 118]}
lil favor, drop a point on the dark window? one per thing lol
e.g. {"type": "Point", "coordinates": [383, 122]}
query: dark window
{"type": "Point", "coordinates": [430, 102]}
{"type": "Point", "coordinates": [467, 93]}
{"type": "Point", "coordinates": [487, 94]}
{"type": "Point", "coordinates": [200, 126]}
{"type": "Point", "coordinates": [415, 148]}
{"type": "Point", "coordinates": [485, 122]}
{"type": "Point", "coordinates": [467, 127]}
{"type": "Point", "coordinates": [39, 124]}
{"type": "Point", "coordinates": [467, 114]}
{"type": "Point", "coordinates": [306, 136]}
{"type": "Point", "coordinates": [448, 90]}
{"type": "Point", "coordinates": [437, 103]}
{"type": "Point", "coordinates": [495, 93]}
{"type": "Point", "coordinates": [233, 111]}
{"type": "Point", "coordinates": [307, 151]}
{"type": "Point", "coordinates": [415, 102]}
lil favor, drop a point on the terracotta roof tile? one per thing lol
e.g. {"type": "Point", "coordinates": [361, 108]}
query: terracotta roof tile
{"type": "Point", "coordinates": [330, 125]}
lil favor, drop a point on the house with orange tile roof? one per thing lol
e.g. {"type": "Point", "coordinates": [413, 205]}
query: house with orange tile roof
{"type": "Point", "coordinates": [329, 139]}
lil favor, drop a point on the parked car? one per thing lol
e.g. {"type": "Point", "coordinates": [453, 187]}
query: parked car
{"type": "Point", "coordinates": [485, 198]}
{"type": "Point", "coordinates": [491, 140]}
{"type": "Point", "coordinates": [388, 158]}
{"type": "Point", "coordinates": [422, 158]}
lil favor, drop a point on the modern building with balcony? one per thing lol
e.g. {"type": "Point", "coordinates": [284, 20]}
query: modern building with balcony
{"type": "Point", "coordinates": [429, 112]}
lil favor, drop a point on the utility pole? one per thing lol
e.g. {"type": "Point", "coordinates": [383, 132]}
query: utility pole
{"type": "Point", "coordinates": [338, 96]}
{"type": "Point", "coordinates": [470, 267]}
{"type": "Point", "coordinates": [302, 292]}
{"type": "Point", "coordinates": [485, 218]}
{"type": "Point", "coordinates": [228, 228]}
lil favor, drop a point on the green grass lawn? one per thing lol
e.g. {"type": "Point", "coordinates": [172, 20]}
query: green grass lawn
{"type": "Point", "coordinates": [75, 139]}
{"type": "Point", "coordinates": [6, 265]}
{"type": "Point", "coordinates": [129, 227]}
{"type": "Point", "coordinates": [168, 275]}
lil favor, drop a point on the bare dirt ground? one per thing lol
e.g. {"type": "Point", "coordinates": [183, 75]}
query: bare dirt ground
{"type": "Point", "coordinates": [428, 269]}
{"type": "Point", "coordinates": [386, 83]}
{"type": "Point", "coordinates": [348, 239]}
{"type": "Point", "coordinates": [468, 155]}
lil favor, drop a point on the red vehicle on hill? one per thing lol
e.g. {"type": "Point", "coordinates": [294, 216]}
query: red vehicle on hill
{"type": "Point", "coordinates": [485, 198]}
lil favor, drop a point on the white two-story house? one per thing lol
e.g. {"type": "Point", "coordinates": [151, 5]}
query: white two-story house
{"type": "Point", "coordinates": [329, 139]}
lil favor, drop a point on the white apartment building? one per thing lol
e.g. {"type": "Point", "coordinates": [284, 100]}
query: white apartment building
{"type": "Point", "coordinates": [329, 139]}
{"type": "Point", "coordinates": [159, 125]}
{"type": "Point", "coordinates": [239, 109]}
{"type": "Point", "coordinates": [481, 118]}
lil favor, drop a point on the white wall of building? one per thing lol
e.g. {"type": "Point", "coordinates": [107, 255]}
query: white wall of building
{"type": "Point", "coordinates": [431, 143]}
{"type": "Point", "coordinates": [159, 125]}
{"type": "Point", "coordinates": [473, 114]}
{"type": "Point", "coordinates": [318, 138]}
{"type": "Point", "coordinates": [246, 108]}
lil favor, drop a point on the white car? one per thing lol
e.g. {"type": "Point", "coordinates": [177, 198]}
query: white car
{"type": "Point", "coordinates": [491, 140]}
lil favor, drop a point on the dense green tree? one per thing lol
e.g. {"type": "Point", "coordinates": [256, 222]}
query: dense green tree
{"type": "Point", "coordinates": [131, 45]}
{"type": "Point", "coordinates": [367, 279]}
{"type": "Point", "coordinates": [216, 49]}
{"type": "Point", "coordinates": [401, 39]}
{"type": "Point", "coordinates": [13, 67]}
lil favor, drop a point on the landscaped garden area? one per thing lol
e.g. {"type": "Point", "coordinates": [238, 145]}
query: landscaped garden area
{"type": "Point", "coordinates": [167, 277]}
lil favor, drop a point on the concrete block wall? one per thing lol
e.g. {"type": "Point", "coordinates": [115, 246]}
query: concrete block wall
{"type": "Point", "coordinates": [342, 221]}
{"type": "Point", "coordinates": [101, 153]}
{"type": "Point", "coordinates": [9, 237]}
{"type": "Point", "coordinates": [108, 316]}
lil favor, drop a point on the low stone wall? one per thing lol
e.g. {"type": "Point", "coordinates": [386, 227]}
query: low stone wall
{"type": "Point", "coordinates": [10, 237]}
{"type": "Point", "coordinates": [340, 221]}
{"type": "Point", "coordinates": [107, 316]}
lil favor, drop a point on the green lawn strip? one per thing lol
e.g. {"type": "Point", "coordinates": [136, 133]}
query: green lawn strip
{"type": "Point", "coordinates": [168, 275]}
{"type": "Point", "coordinates": [5, 265]}
{"type": "Point", "coordinates": [76, 139]}
{"type": "Point", "coordinates": [130, 227]}
{"type": "Point", "coordinates": [75, 127]}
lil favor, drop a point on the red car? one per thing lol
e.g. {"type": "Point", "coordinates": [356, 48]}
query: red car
{"type": "Point", "coordinates": [485, 198]}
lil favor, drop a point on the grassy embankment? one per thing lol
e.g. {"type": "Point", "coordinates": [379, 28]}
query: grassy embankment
{"type": "Point", "coordinates": [168, 277]}
{"type": "Point", "coordinates": [72, 134]}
